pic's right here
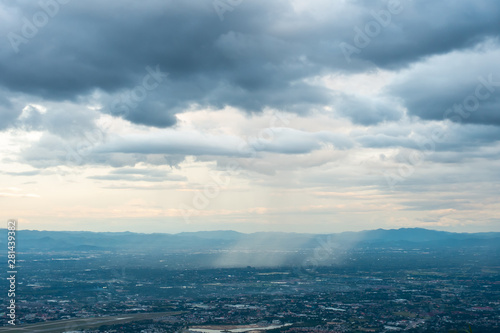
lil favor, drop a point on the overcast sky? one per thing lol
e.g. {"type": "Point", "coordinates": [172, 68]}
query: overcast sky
{"type": "Point", "coordinates": [252, 115]}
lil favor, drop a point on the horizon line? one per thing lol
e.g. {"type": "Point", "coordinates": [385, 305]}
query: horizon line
{"type": "Point", "coordinates": [255, 232]}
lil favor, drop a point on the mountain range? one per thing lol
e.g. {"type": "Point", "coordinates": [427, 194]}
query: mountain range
{"type": "Point", "coordinates": [406, 238]}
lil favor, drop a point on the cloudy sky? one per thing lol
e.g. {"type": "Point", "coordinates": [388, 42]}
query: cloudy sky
{"type": "Point", "coordinates": [251, 115]}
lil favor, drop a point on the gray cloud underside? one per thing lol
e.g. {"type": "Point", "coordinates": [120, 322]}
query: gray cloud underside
{"type": "Point", "coordinates": [138, 175]}
{"type": "Point", "coordinates": [449, 143]}
{"type": "Point", "coordinates": [281, 140]}
{"type": "Point", "coordinates": [461, 87]}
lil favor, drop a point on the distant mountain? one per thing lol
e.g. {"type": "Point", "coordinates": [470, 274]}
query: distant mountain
{"type": "Point", "coordinates": [43, 241]}
{"type": "Point", "coordinates": [218, 234]}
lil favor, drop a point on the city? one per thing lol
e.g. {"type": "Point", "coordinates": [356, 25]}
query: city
{"type": "Point", "coordinates": [376, 288]}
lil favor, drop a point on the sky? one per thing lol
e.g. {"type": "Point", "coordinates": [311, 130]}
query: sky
{"type": "Point", "coordinates": [295, 116]}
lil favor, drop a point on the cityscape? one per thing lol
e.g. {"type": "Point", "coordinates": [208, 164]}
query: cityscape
{"type": "Point", "coordinates": [372, 287]}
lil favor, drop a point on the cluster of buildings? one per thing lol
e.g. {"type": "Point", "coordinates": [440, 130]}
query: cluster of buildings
{"type": "Point", "coordinates": [285, 299]}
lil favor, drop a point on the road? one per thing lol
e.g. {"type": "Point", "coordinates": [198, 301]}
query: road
{"type": "Point", "coordinates": [60, 326]}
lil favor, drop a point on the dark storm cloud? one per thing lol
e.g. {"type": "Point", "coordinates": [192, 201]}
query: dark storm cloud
{"type": "Point", "coordinates": [463, 87]}
{"type": "Point", "coordinates": [428, 27]}
{"type": "Point", "coordinates": [256, 58]}
{"type": "Point", "coordinates": [9, 112]}
{"type": "Point", "coordinates": [153, 113]}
